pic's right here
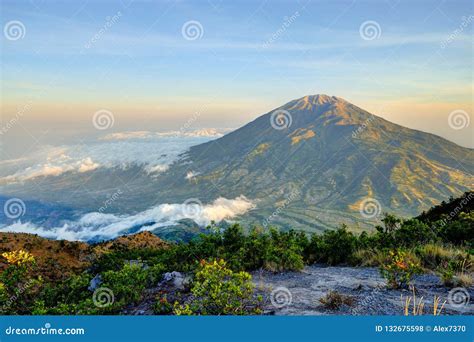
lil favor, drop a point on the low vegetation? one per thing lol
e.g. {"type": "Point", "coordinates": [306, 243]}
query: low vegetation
{"type": "Point", "coordinates": [416, 306]}
{"type": "Point", "coordinates": [217, 290]}
{"type": "Point", "coordinates": [334, 300]}
{"type": "Point", "coordinates": [218, 264]}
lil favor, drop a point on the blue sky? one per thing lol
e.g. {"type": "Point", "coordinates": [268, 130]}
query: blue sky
{"type": "Point", "coordinates": [250, 57]}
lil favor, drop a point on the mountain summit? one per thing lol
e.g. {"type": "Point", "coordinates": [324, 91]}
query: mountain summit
{"type": "Point", "coordinates": [320, 160]}
{"type": "Point", "coordinates": [311, 164]}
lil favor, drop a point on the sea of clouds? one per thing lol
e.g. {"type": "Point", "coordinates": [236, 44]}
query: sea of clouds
{"type": "Point", "coordinates": [155, 151]}
{"type": "Point", "coordinates": [100, 226]}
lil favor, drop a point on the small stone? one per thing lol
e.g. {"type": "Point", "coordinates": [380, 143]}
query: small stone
{"type": "Point", "coordinates": [95, 283]}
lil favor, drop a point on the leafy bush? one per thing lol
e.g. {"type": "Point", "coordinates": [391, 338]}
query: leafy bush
{"type": "Point", "coordinates": [333, 247]}
{"type": "Point", "coordinates": [413, 232]}
{"type": "Point", "coordinates": [70, 296]}
{"type": "Point", "coordinates": [283, 252]}
{"type": "Point", "coordinates": [162, 305]}
{"type": "Point", "coordinates": [217, 290]}
{"type": "Point", "coordinates": [460, 231]}
{"type": "Point", "coordinates": [275, 250]}
{"type": "Point", "coordinates": [127, 284]}
{"type": "Point", "coordinates": [399, 268]}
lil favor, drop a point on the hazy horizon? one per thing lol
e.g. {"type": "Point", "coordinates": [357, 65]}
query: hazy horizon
{"type": "Point", "coordinates": [171, 65]}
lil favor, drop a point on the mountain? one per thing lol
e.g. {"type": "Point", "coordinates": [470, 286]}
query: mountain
{"type": "Point", "coordinates": [311, 164]}
{"type": "Point", "coordinates": [322, 164]}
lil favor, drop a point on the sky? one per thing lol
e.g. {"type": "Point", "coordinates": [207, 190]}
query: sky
{"type": "Point", "coordinates": [185, 65]}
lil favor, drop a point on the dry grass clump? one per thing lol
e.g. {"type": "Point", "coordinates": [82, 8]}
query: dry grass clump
{"type": "Point", "coordinates": [334, 300]}
{"type": "Point", "coordinates": [463, 280]}
{"type": "Point", "coordinates": [368, 257]}
{"type": "Point", "coordinates": [434, 255]}
{"type": "Point", "coordinates": [418, 307]}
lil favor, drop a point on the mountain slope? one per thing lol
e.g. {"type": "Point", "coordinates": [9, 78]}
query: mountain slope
{"type": "Point", "coordinates": [322, 167]}
{"type": "Point", "coordinates": [311, 164]}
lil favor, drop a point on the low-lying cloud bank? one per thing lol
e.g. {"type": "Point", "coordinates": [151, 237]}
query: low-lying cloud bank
{"type": "Point", "coordinates": [95, 226]}
{"type": "Point", "coordinates": [201, 133]}
{"type": "Point", "coordinates": [155, 151]}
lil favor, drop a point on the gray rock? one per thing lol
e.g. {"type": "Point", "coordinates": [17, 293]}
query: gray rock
{"type": "Point", "coordinates": [175, 279]}
{"type": "Point", "coordinates": [139, 263]}
{"type": "Point", "coordinates": [371, 295]}
{"type": "Point", "coordinates": [95, 283]}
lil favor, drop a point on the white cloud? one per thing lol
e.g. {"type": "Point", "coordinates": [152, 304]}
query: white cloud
{"type": "Point", "coordinates": [107, 226]}
{"type": "Point", "coordinates": [204, 132]}
{"type": "Point", "coordinates": [154, 151]}
{"type": "Point", "coordinates": [88, 165]}
{"type": "Point", "coordinates": [191, 174]}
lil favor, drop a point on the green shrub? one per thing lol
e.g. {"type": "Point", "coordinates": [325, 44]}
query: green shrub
{"type": "Point", "coordinates": [127, 284]}
{"type": "Point", "coordinates": [399, 268]}
{"type": "Point", "coordinates": [217, 290]}
{"type": "Point", "coordinates": [333, 247]}
{"type": "Point", "coordinates": [18, 286]}
{"type": "Point", "coordinates": [162, 306]}
{"type": "Point", "coordinates": [413, 232]}
{"type": "Point", "coordinates": [275, 250]}
{"type": "Point", "coordinates": [284, 252]}
{"type": "Point", "coordinates": [459, 231]}
{"type": "Point", "coordinates": [68, 297]}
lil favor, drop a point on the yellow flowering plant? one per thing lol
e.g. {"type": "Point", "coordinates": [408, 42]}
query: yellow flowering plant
{"type": "Point", "coordinates": [19, 257]}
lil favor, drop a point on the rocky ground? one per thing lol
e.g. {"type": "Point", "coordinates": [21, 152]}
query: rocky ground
{"type": "Point", "coordinates": [298, 293]}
